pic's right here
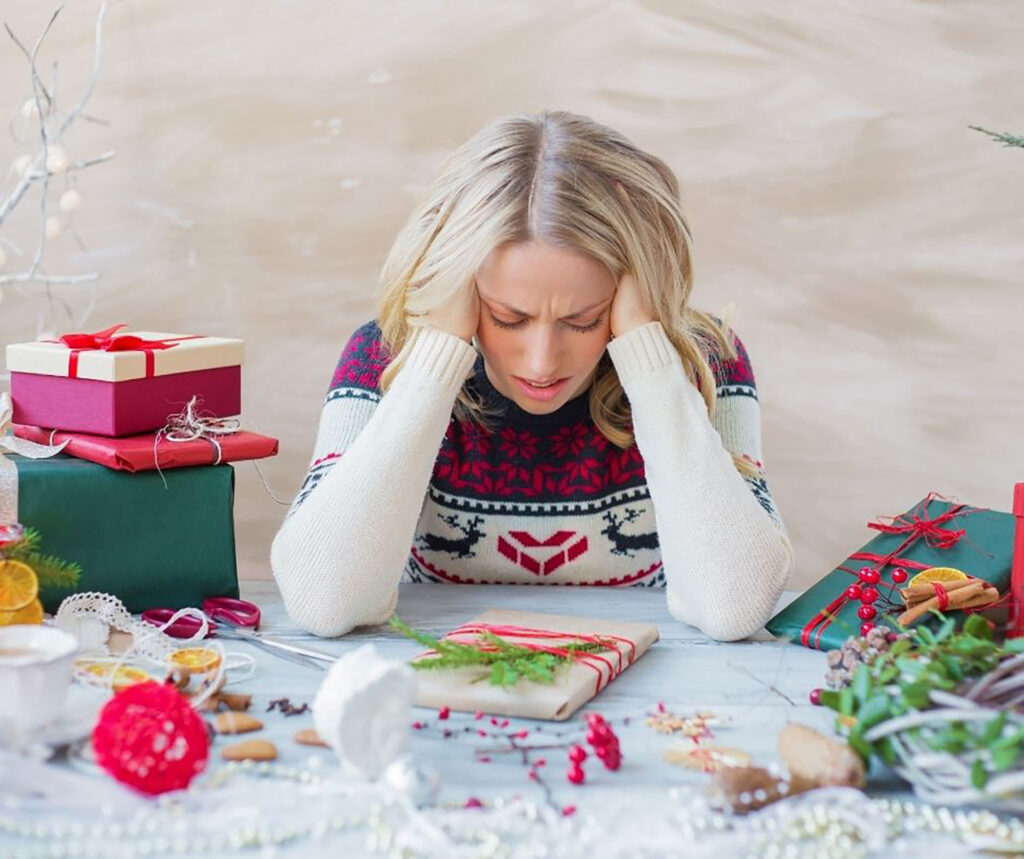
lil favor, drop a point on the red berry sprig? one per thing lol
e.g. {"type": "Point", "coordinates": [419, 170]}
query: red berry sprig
{"type": "Point", "coordinates": [605, 744]}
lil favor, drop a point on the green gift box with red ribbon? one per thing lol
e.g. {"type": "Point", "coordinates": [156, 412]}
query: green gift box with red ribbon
{"type": "Point", "coordinates": [864, 589]}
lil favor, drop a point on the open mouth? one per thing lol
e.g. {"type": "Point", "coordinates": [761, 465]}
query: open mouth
{"type": "Point", "coordinates": [538, 391]}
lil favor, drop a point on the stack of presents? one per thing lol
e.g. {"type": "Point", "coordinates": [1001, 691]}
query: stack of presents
{"type": "Point", "coordinates": [141, 493]}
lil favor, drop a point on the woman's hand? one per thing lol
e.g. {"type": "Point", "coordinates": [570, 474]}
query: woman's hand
{"type": "Point", "coordinates": [461, 316]}
{"type": "Point", "coordinates": [629, 307]}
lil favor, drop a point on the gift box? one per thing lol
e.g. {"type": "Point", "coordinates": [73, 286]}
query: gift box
{"type": "Point", "coordinates": [118, 384]}
{"type": "Point", "coordinates": [468, 689]}
{"type": "Point", "coordinates": [145, 451]}
{"type": "Point", "coordinates": [936, 532]}
{"type": "Point", "coordinates": [147, 544]}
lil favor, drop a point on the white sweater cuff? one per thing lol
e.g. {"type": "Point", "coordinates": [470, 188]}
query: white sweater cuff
{"type": "Point", "coordinates": [642, 351]}
{"type": "Point", "coordinates": [441, 356]}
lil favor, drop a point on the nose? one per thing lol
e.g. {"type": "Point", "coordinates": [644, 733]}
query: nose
{"type": "Point", "coordinates": [543, 354]}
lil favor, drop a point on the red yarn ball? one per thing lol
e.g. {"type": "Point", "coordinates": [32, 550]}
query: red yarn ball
{"type": "Point", "coordinates": [150, 738]}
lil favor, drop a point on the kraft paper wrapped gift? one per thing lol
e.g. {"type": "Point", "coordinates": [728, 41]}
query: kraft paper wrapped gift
{"type": "Point", "coordinates": [935, 532]}
{"type": "Point", "coordinates": [148, 545]}
{"type": "Point", "coordinates": [467, 689]}
{"type": "Point", "coordinates": [118, 383]}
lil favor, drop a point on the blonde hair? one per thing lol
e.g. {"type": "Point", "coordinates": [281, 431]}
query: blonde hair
{"type": "Point", "coordinates": [570, 182]}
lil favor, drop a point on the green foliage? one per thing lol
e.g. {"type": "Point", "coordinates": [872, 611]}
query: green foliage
{"type": "Point", "coordinates": [901, 679]}
{"type": "Point", "coordinates": [1005, 139]}
{"type": "Point", "coordinates": [52, 572]}
{"type": "Point", "coordinates": [508, 663]}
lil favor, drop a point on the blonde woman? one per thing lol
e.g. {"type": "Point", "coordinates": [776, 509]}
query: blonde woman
{"type": "Point", "coordinates": [538, 402]}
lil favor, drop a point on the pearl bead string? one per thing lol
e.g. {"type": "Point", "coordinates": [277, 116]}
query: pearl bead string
{"type": "Point", "coordinates": [837, 822]}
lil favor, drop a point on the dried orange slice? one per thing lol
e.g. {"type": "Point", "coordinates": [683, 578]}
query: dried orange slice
{"type": "Point", "coordinates": [124, 675]}
{"type": "Point", "coordinates": [31, 613]}
{"type": "Point", "coordinates": [18, 585]}
{"type": "Point", "coordinates": [196, 660]}
{"type": "Point", "coordinates": [937, 574]}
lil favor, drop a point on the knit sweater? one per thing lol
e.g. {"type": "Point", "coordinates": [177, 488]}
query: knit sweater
{"type": "Point", "coordinates": [398, 490]}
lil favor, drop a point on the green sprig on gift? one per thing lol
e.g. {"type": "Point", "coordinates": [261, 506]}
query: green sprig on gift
{"type": "Point", "coordinates": [52, 572]}
{"type": "Point", "coordinates": [509, 663]}
{"type": "Point", "coordinates": [920, 680]}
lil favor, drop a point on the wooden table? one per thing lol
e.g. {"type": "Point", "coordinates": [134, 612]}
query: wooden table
{"type": "Point", "coordinates": [755, 687]}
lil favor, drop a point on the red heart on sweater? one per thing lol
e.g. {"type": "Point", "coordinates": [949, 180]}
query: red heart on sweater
{"type": "Point", "coordinates": [530, 563]}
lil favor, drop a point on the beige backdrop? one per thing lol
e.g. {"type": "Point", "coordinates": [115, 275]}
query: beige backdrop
{"type": "Point", "coordinates": [268, 151]}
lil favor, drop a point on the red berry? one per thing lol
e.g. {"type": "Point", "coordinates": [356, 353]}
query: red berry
{"type": "Point", "coordinates": [595, 719]}
{"type": "Point", "coordinates": [869, 576]}
{"type": "Point", "coordinates": [866, 612]}
{"type": "Point", "coordinates": [899, 575]}
{"type": "Point", "coordinates": [473, 802]}
{"type": "Point", "coordinates": [866, 627]}
{"type": "Point", "coordinates": [576, 774]}
{"type": "Point", "coordinates": [613, 763]}
{"type": "Point", "coordinates": [479, 714]}
{"type": "Point", "coordinates": [577, 754]}
{"type": "Point", "coordinates": [443, 713]}
{"type": "Point", "coordinates": [594, 739]}
{"type": "Point", "coordinates": [853, 592]}
{"type": "Point", "coordinates": [868, 595]}
{"type": "Point", "coordinates": [569, 811]}
{"type": "Point", "coordinates": [815, 697]}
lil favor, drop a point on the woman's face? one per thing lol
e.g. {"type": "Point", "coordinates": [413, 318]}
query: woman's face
{"type": "Point", "coordinates": [543, 319]}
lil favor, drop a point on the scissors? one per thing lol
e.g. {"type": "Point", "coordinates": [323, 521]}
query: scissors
{"type": "Point", "coordinates": [238, 620]}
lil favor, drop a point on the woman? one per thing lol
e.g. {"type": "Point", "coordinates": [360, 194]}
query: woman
{"type": "Point", "coordinates": [538, 403]}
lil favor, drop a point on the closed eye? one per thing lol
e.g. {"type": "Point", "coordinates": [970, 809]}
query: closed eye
{"type": "Point", "coordinates": [582, 329]}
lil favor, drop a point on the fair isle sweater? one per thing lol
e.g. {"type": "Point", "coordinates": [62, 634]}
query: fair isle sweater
{"type": "Point", "coordinates": [398, 490]}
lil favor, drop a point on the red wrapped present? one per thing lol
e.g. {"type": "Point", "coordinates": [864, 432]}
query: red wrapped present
{"type": "Point", "coordinates": [143, 452]}
{"type": "Point", "coordinates": [118, 383]}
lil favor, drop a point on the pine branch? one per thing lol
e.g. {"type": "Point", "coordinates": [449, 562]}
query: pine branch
{"type": "Point", "coordinates": [508, 662]}
{"type": "Point", "coordinates": [51, 571]}
{"type": "Point", "coordinates": [1005, 139]}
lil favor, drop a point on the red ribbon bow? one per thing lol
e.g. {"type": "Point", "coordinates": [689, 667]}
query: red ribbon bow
{"type": "Point", "coordinates": [921, 526]}
{"type": "Point", "coordinates": [109, 341]}
{"type": "Point", "coordinates": [917, 525]}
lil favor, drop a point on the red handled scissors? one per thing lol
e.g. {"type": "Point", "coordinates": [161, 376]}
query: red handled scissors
{"type": "Point", "coordinates": [238, 619]}
{"type": "Point", "coordinates": [237, 613]}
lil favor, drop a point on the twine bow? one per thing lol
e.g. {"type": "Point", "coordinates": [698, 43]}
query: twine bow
{"type": "Point", "coordinates": [190, 425]}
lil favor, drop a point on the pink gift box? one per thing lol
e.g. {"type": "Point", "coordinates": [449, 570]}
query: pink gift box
{"type": "Point", "coordinates": [122, 384]}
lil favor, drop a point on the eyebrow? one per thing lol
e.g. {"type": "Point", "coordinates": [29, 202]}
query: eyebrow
{"type": "Point", "coordinates": [575, 315]}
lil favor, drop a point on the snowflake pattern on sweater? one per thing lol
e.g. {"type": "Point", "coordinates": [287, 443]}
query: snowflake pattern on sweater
{"type": "Point", "coordinates": [542, 499]}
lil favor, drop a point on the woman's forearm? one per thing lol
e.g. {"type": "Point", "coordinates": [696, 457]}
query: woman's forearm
{"type": "Point", "coordinates": [339, 555]}
{"type": "Point", "coordinates": [726, 560]}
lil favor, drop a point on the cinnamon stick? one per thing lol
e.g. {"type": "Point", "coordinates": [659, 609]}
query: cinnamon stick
{"type": "Point", "coordinates": [919, 592]}
{"type": "Point", "coordinates": [978, 593]}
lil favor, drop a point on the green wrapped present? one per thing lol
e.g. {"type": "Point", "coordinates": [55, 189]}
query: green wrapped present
{"type": "Point", "coordinates": [865, 588]}
{"type": "Point", "coordinates": [148, 544]}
